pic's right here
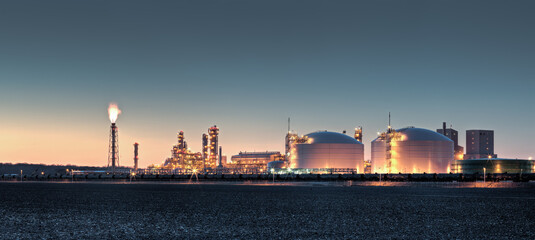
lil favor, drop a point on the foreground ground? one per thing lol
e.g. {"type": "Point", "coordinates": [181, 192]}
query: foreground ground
{"type": "Point", "coordinates": [199, 211]}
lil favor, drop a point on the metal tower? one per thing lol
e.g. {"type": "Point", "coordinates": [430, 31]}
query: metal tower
{"type": "Point", "coordinates": [113, 154]}
{"type": "Point", "coordinates": [358, 133]}
{"type": "Point", "coordinates": [204, 149]}
{"type": "Point", "coordinates": [388, 143]}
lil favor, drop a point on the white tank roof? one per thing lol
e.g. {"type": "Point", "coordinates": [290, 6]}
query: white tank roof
{"type": "Point", "coordinates": [331, 137]}
{"type": "Point", "coordinates": [420, 134]}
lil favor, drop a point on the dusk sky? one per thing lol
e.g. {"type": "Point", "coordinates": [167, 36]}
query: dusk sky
{"type": "Point", "coordinates": [246, 66]}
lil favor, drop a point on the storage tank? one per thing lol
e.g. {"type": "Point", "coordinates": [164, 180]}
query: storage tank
{"type": "Point", "coordinates": [329, 150]}
{"type": "Point", "coordinates": [413, 150]}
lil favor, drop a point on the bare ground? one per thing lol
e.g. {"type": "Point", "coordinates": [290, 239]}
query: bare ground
{"type": "Point", "coordinates": [221, 211]}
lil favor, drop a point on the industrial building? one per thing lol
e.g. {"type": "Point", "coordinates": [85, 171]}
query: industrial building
{"type": "Point", "coordinates": [454, 136]}
{"type": "Point", "coordinates": [183, 158]}
{"type": "Point", "coordinates": [411, 150]}
{"type": "Point", "coordinates": [254, 161]}
{"type": "Point", "coordinates": [493, 165]}
{"type": "Point", "coordinates": [479, 144]}
{"type": "Point", "coordinates": [212, 160]}
{"type": "Point", "coordinates": [324, 150]}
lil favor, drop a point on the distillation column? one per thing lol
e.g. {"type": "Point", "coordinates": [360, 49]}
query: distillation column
{"type": "Point", "coordinates": [213, 132]}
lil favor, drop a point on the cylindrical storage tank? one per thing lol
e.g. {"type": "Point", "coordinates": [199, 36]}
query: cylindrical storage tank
{"type": "Point", "coordinates": [415, 150]}
{"type": "Point", "coordinates": [329, 150]}
{"type": "Point", "coordinates": [378, 156]}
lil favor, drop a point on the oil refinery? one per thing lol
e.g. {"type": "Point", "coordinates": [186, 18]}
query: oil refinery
{"type": "Point", "coordinates": [183, 158]}
{"type": "Point", "coordinates": [395, 151]}
{"type": "Point", "coordinates": [407, 150]}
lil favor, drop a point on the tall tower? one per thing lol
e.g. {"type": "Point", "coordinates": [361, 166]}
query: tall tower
{"type": "Point", "coordinates": [358, 133]}
{"type": "Point", "coordinates": [289, 140]}
{"type": "Point", "coordinates": [390, 133]}
{"type": "Point", "coordinates": [213, 132]}
{"type": "Point", "coordinates": [113, 153]}
{"type": "Point", "coordinates": [136, 145]}
{"type": "Point", "coordinates": [204, 148]}
{"type": "Point", "coordinates": [181, 144]}
{"type": "Point", "coordinates": [181, 147]}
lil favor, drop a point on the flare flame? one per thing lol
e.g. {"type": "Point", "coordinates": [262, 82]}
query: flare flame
{"type": "Point", "coordinates": [113, 112]}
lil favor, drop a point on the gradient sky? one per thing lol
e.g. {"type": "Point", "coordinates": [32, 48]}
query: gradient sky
{"type": "Point", "coordinates": [247, 66]}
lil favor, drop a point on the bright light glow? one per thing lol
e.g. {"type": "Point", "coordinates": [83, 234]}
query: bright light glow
{"type": "Point", "coordinates": [530, 158]}
{"type": "Point", "coordinates": [113, 112]}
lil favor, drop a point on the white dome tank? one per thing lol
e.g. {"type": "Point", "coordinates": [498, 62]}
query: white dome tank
{"type": "Point", "coordinates": [416, 150]}
{"type": "Point", "coordinates": [329, 150]}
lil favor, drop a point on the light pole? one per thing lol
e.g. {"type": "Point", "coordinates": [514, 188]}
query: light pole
{"type": "Point", "coordinates": [484, 174]}
{"type": "Point", "coordinates": [379, 174]}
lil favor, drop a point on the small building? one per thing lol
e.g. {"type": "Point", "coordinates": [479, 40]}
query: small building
{"type": "Point", "coordinates": [493, 165]}
{"type": "Point", "coordinates": [479, 144]}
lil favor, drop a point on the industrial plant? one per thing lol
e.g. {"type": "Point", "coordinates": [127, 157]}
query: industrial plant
{"type": "Point", "coordinates": [394, 151]}
{"type": "Point", "coordinates": [408, 150]}
{"type": "Point", "coordinates": [183, 158]}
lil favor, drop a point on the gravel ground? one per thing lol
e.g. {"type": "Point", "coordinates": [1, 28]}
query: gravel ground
{"type": "Point", "coordinates": [220, 211]}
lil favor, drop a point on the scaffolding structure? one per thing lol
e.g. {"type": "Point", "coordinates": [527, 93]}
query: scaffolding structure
{"type": "Point", "coordinates": [358, 133]}
{"type": "Point", "coordinates": [213, 132]}
{"type": "Point", "coordinates": [113, 153]}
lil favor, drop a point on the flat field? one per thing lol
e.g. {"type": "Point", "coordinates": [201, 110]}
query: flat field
{"type": "Point", "coordinates": [89, 210]}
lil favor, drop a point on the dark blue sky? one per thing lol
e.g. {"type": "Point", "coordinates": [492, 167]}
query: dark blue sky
{"type": "Point", "coordinates": [248, 65]}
